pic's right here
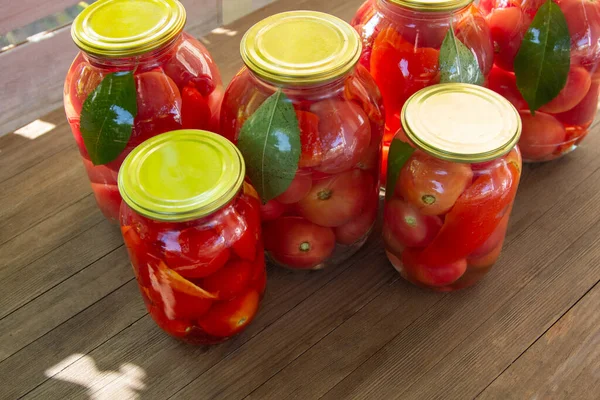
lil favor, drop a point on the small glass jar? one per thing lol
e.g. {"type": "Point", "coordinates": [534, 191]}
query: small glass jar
{"type": "Point", "coordinates": [192, 229]}
{"type": "Point", "coordinates": [560, 125]}
{"type": "Point", "coordinates": [137, 75]}
{"type": "Point", "coordinates": [449, 197]}
{"type": "Point", "coordinates": [401, 47]}
{"type": "Point", "coordinates": [320, 148]}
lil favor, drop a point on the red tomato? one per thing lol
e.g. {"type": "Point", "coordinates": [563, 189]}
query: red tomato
{"type": "Point", "coordinates": [485, 261]}
{"type": "Point", "coordinates": [188, 64]}
{"type": "Point", "coordinates": [139, 254]}
{"type": "Point", "coordinates": [312, 151]}
{"type": "Point", "coordinates": [344, 132]}
{"type": "Point", "coordinates": [351, 232]}
{"type": "Point", "coordinates": [431, 184]}
{"type": "Point", "coordinates": [408, 226]}
{"type": "Point", "coordinates": [230, 280]}
{"type": "Point", "coordinates": [474, 32]}
{"type": "Point", "coordinates": [297, 190]}
{"type": "Point", "coordinates": [228, 318]}
{"type": "Point", "coordinates": [99, 173]}
{"type": "Point", "coordinates": [271, 210]}
{"type": "Point", "coordinates": [194, 252]}
{"type": "Point", "coordinates": [583, 19]}
{"type": "Point", "coordinates": [298, 243]}
{"type": "Point", "coordinates": [577, 86]}
{"type": "Point", "coordinates": [108, 199]}
{"type": "Point", "coordinates": [507, 27]}
{"type": "Point", "coordinates": [173, 327]}
{"type": "Point", "coordinates": [239, 232]}
{"type": "Point", "coordinates": [401, 69]}
{"type": "Point", "coordinates": [336, 200]}
{"type": "Point", "coordinates": [436, 276]}
{"type": "Point", "coordinates": [583, 113]}
{"type": "Point", "coordinates": [541, 135]}
{"type": "Point", "coordinates": [474, 216]}
{"type": "Point", "coordinates": [505, 84]}
{"type": "Point", "coordinates": [361, 87]}
{"type": "Point", "coordinates": [195, 112]}
{"type": "Point", "coordinates": [392, 245]}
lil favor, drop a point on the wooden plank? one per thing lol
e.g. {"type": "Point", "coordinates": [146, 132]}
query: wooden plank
{"type": "Point", "coordinates": [53, 307]}
{"type": "Point", "coordinates": [563, 364]}
{"type": "Point", "coordinates": [17, 14]}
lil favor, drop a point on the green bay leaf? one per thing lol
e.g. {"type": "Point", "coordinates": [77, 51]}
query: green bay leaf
{"type": "Point", "coordinates": [457, 62]}
{"type": "Point", "coordinates": [399, 153]}
{"type": "Point", "coordinates": [270, 143]}
{"type": "Point", "coordinates": [107, 115]}
{"type": "Point", "coordinates": [543, 60]}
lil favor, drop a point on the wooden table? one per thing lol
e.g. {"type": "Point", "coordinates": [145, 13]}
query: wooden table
{"type": "Point", "coordinates": [72, 323]}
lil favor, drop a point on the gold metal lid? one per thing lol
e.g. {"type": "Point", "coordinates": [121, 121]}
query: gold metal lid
{"type": "Point", "coordinates": [300, 47]}
{"type": "Point", "coordinates": [433, 5]}
{"type": "Point", "coordinates": [461, 122]}
{"type": "Point", "coordinates": [120, 28]}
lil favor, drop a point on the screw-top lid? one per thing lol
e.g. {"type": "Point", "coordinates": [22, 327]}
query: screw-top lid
{"type": "Point", "coordinates": [181, 175]}
{"type": "Point", "coordinates": [119, 28]}
{"type": "Point", "coordinates": [433, 5]}
{"type": "Point", "coordinates": [461, 122]}
{"type": "Point", "coordinates": [300, 47]}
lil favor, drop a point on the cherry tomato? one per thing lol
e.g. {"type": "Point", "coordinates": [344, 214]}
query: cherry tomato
{"type": "Point", "coordinates": [505, 84]}
{"type": "Point", "coordinates": [474, 32]}
{"type": "Point", "coordinates": [225, 319]}
{"type": "Point", "coordinates": [583, 113]}
{"type": "Point", "coordinates": [431, 184]}
{"type": "Point", "coordinates": [577, 86]}
{"type": "Point", "coordinates": [173, 327]}
{"type": "Point", "coordinates": [474, 216]}
{"type": "Point", "coordinates": [298, 243]}
{"type": "Point", "coordinates": [430, 275]}
{"type": "Point", "coordinates": [507, 27]}
{"type": "Point", "coordinates": [583, 20]}
{"type": "Point", "coordinates": [195, 112]}
{"type": "Point", "coordinates": [312, 148]}
{"type": "Point", "coordinates": [240, 233]}
{"type": "Point", "coordinates": [297, 190]}
{"type": "Point", "coordinates": [541, 135]}
{"type": "Point", "coordinates": [230, 280]}
{"type": "Point", "coordinates": [271, 210]}
{"type": "Point", "coordinates": [392, 245]}
{"type": "Point", "coordinates": [108, 199]}
{"type": "Point", "coordinates": [194, 252]}
{"type": "Point", "coordinates": [408, 226]}
{"type": "Point", "coordinates": [188, 65]}
{"type": "Point", "coordinates": [344, 132]}
{"type": "Point", "coordinates": [336, 200]}
{"type": "Point", "coordinates": [351, 232]}
{"type": "Point", "coordinates": [401, 69]}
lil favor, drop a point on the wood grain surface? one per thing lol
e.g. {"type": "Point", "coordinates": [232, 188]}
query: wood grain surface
{"type": "Point", "coordinates": [73, 325]}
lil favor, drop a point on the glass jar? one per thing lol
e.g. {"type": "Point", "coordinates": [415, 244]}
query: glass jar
{"type": "Point", "coordinates": [559, 125]}
{"type": "Point", "coordinates": [401, 47]}
{"type": "Point", "coordinates": [192, 229]}
{"type": "Point", "coordinates": [137, 75]}
{"type": "Point", "coordinates": [449, 197]}
{"type": "Point", "coordinates": [309, 122]}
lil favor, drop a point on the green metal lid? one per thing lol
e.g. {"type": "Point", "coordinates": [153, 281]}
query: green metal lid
{"type": "Point", "coordinates": [119, 28]}
{"type": "Point", "coordinates": [300, 47]}
{"type": "Point", "coordinates": [461, 122]}
{"type": "Point", "coordinates": [433, 5]}
{"type": "Point", "coordinates": [181, 175]}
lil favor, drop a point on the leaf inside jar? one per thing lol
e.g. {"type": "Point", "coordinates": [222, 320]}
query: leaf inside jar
{"type": "Point", "coordinates": [270, 143]}
{"type": "Point", "coordinates": [399, 153]}
{"type": "Point", "coordinates": [106, 120]}
{"type": "Point", "coordinates": [457, 62]}
{"type": "Point", "coordinates": [543, 60]}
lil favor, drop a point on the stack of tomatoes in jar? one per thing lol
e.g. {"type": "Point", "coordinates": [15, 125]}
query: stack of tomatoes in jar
{"type": "Point", "coordinates": [550, 75]}
{"type": "Point", "coordinates": [309, 122]}
{"type": "Point", "coordinates": [133, 79]}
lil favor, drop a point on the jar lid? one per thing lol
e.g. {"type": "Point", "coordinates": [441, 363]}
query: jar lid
{"type": "Point", "coordinates": [181, 175]}
{"type": "Point", "coordinates": [433, 5]}
{"type": "Point", "coordinates": [300, 47]}
{"type": "Point", "coordinates": [461, 122]}
{"type": "Point", "coordinates": [118, 28]}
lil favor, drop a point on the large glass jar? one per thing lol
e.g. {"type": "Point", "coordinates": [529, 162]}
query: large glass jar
{"type": "Point", "coordinates": [451, 190]}
{"type": "Point", "coordinates": [402, 40]}
{"type": "Point", "coordinates": [137, 75]}
{"type": "Point", "coordinates": [192, 228]}
{"type": "Point", "coordinates": [560, 124]}
{"type": "Point", "coordinates": [309, 122]}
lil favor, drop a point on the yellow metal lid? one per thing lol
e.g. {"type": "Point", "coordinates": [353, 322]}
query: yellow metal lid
{"type": "Point", "coordinates": [433, 5]}
{"type": "Point", "coordinates": [461, 122]}
{"type": "Point", "coordinates": [119, 28]}
{"type": "Point", "coordinates": [300, 47]}
{"type": "Point", "coordinates": [181, 175]}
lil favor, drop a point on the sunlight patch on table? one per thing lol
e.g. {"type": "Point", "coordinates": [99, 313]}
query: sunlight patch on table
{"type": "Point", "coordinates": [35, 129]}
